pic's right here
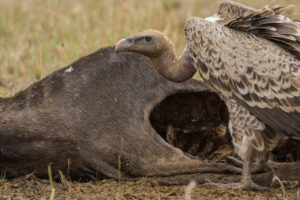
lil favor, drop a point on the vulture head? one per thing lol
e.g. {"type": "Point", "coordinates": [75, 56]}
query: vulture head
{"type": "Point", "coordinates": [150, 43]}
{"type": "Point", "coordinates": [160, 50]}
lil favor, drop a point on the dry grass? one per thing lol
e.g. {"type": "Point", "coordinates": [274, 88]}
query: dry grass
{"type": "Point", "coordinates": [142, 189]}
{"type": "Point", "coordinates": [40, 36]}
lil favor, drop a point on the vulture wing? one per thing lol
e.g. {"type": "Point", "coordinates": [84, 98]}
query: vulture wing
{"type": "Point", "coordinates": [230, 10]}
{"type": "Point", "coordinates": [270, 24]}
{"type": "Point", "coordinates": [266, 22]}
{"type": "Point", "coordinates": [257, 73]}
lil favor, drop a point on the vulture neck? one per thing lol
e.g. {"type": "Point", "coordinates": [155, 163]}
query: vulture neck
{"type": "Point", "coordinates": [172, 68]}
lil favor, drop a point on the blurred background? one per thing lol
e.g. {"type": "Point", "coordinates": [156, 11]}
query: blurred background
{"type": "Point", "coordinates": [40, 36]}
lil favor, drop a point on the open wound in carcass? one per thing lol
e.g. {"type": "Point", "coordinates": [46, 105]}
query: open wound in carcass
{"type": "Point", "coordinates": [196, 122]}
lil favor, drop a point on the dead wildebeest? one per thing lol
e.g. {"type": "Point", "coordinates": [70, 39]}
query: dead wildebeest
{"type": "Point", "coordinates": [95, 113]}
{"type": "Point", "coordinates": [95, 118]}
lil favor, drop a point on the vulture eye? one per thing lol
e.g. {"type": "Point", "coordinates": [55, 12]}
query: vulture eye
{"type": "Point", "coordinates": [148, 39]}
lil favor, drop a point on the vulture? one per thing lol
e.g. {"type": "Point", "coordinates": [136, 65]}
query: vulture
{"type": "Point", "coordinates": [251, 59]}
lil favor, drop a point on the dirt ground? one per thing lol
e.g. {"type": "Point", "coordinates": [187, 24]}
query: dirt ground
{"type": "Point", "coordinates": [145, 188]}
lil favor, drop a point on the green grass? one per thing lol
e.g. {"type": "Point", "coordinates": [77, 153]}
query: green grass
{"type": "Point", "coordinates": [40, 36]}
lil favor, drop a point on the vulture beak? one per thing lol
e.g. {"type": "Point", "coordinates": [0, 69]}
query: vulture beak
{"type": "Point", "coordinates": [124, 44]}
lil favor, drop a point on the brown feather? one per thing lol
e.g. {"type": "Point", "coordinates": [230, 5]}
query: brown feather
{"type": "Point", "coordinates": [270, 24]}
{"type": "Point", "coordinates": [230, 10]}
{"type": "Point", "coordinates": [280, 120]}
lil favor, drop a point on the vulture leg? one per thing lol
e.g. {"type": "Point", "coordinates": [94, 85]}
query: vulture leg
{"type": "Point", "coordinates": [252, 140]}
{"type": "Point", "coordinates": [246, 183]}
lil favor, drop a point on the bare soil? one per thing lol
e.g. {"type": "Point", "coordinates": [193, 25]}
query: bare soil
{"type": "Point", "coordinates": [145, 188]}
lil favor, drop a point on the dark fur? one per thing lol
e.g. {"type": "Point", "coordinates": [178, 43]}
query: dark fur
{"type": "Point", "coordinates": [92, 115]}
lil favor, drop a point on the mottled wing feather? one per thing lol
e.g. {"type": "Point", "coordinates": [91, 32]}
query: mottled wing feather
{"type": "Point", "coordinates": [279, 120]}
{"type": "Point", "coordinates": [244, 124]}
{"type": "Point", "coordinates": [230, 10]}
{"type": "Point", "coordinates": [270, 24]}
{"type": "Point", "coordinates": [254, 71]}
